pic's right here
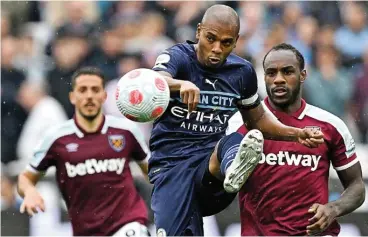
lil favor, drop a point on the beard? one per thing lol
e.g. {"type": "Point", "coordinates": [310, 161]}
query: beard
{"type": "Point", "coordinates": [290, 99]}
{"type": "Point", "coordinates": [90, 118]}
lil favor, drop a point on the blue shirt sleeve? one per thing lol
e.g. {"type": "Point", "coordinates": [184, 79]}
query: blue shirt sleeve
{"type": "Point", "coordinates": [249, 96]}
{"type": "Point", "coordinates": [171, 61]}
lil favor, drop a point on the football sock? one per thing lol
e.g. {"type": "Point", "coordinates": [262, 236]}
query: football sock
{"type": "Point", "coordinates": [227, 149]}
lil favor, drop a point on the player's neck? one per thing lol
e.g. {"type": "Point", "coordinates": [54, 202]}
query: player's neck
{"type": "Point", "coordinates": [289, 109]}
{"type": "Point", "coordinates": [90, 126]}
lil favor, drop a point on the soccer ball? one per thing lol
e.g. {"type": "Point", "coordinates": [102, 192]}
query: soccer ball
{"type": "Point", "coordinates": [142, 95]}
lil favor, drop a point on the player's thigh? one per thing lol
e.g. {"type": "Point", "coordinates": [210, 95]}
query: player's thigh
{"type": "Point", "coordinates": [173, 202]}
{"type": "Point", "coordinates": [212, 196]}
{"type": "Point", "coordinates": [133, 229]}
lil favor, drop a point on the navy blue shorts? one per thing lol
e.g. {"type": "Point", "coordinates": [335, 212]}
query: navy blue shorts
{"type": "Point", "coordinates": [184, 194]}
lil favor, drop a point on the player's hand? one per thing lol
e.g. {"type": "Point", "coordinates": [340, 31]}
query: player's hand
{"type": "Point", "coordinates": [310, 137]}
{"type": "Point", "coordinates": [32, 203]}
{"type": "Point", "coordinates": [324, 216]}
{"type": "Point", "coordinates": [189, 94]}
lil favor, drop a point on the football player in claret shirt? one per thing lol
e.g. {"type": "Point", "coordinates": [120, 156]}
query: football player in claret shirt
{"type": "Point", "coordinates": [287, 194]}
{"type": "Point", "coordinates": [196, 170]}
{"type": "Point", "coordinates": [91, 153]}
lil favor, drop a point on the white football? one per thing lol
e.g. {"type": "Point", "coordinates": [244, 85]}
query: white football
{"type": "Point", "coordinates": [142, 95]}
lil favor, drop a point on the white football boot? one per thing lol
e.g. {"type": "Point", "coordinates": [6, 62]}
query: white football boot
{"type": "Point", "coordinates": [246, 159]}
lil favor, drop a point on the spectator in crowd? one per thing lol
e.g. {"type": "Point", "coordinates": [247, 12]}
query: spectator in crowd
{"type": "Point", "coordinates": [325, 12]}
{"type": "Point", "coordinates": [252, 26]}
{"type": "Point", "coordinates": [326, 36]}
{"type": "Point", "coordinates": [17, 13]}
{"type": "Point", "coordinates": [75, 20]}
{"type": "Point", "coordinates": [186, 18]}
{"type": "Point", "coordinates": [108, 51]}
{"type": "Point", "coordinates": [352, 37]}
{"type": "Point", "coordinates": [76, 16]}
{"type": "Point", "coordinates": [290, 18]}
{"type": "Point", "coordinates": [329, 86]}
{"type": "Point", "coordinates": [121, 9]}
{"type": "Point", "coordinates": [44, 113]}
{"type": "Point", "coordinates": [274, 10]}
{"type": "Point", "coordinates": [127, 19]}
{"type": "Point", "coordinates": [182, 16]}
{"type": "Point", "coordinates": [31, 50]}
{"type": "Point", "coordinates": [241, 46]}
{"type": "Point", "coordinates": [69, 52]}
{"type": "Point", "coordinates": [12, 114]}
{"type": "Point", "coordinates": [306, 30]}
{"type": "Point", "coordinates": [152, 41]}
{"type": "Point", "coordinates": [359, 102]}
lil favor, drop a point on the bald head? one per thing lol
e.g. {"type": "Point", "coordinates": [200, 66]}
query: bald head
{"type": "Point", "coordinates": [222, 14]}
{"type": "Point", "coordinates": [217, 35]}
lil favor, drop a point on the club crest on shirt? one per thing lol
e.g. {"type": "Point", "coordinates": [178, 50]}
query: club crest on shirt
{"type": "Point", "coordinates": [117, 142]}
{"type": "Point", "coordinates": [314, 128]}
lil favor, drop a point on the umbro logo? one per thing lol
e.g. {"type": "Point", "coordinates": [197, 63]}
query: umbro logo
{"type": "Point", "coordinates": [211, 83]}
{"type": "Point", "coordinates": [72, 147]}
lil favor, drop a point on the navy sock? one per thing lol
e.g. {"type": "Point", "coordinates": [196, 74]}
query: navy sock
{"type": "Point", "coordinates": [227, 149]}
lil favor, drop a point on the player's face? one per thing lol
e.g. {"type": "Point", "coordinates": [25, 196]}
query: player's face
{"type": "Point", "coordinates": [88, 96]}
{"type": "Point", "coordinates": [215, 43]}
{"type": "Point", "coordinates": [283, 77]}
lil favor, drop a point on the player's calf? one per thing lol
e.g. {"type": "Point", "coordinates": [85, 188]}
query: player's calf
{"type": "Point", "coordinates": [237, 166]}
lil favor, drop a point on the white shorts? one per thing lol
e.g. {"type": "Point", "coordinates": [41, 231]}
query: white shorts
{"type": "Point", "coordinates": [132, 229]}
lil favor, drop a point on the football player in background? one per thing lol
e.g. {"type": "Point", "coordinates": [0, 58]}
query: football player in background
{"type": "Point", "coordinates": [287, 193]}
{"type": "Point", "coordinates": [91, 153]}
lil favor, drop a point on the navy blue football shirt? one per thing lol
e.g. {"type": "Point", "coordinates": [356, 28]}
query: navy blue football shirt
{"type": "Point", "coordinates": [179, 135]}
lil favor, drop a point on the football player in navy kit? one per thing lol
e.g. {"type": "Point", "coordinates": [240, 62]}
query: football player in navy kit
{"type": "Point", "coordinates": [195, 169]}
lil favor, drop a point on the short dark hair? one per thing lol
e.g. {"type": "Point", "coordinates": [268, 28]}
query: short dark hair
{"type": "Point", "coordinates": [88, 71]}
{"type": "Point", "coordinates": [285, 46]}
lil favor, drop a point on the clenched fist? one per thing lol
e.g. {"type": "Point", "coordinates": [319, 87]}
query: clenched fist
{"type": "Point", "coordinates": [189, 94]}
{"type": "Point", "coordinates": [310, 137]}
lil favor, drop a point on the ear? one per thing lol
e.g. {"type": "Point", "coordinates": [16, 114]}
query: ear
{"type": "Point", "coordinates": [72, 97]}
{"type": "Point", "coordinates": [105, 96]}
{"type": "Point", "coordinates": [198, 31]}
{"type": "Point", "coordinates": [236, 40]}
{"type": "Point", "coordinates": [303, 75]}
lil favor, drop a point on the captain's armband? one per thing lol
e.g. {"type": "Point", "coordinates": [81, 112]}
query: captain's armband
{"type": "Point", "coordinates": [249, 103]}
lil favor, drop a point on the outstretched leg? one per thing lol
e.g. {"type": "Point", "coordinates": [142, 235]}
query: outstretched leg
{"type": "Point", "coordinates": [235, 158]}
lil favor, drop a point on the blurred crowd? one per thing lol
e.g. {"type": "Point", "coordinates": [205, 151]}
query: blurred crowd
{"type": "Point", "coordinates": [44, 42]}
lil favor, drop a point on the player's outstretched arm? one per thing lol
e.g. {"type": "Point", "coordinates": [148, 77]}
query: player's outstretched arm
{"type": "Point", "coordinates": [352, 198]}
{"type": "Point", "coordinates": [174, 84]}
{"type": "Point", "coordinates": [189, 93]}
{"type": "Point", "coordinates": [259, 118]}
{"type": "Point", "coordinates": [32, 200]}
